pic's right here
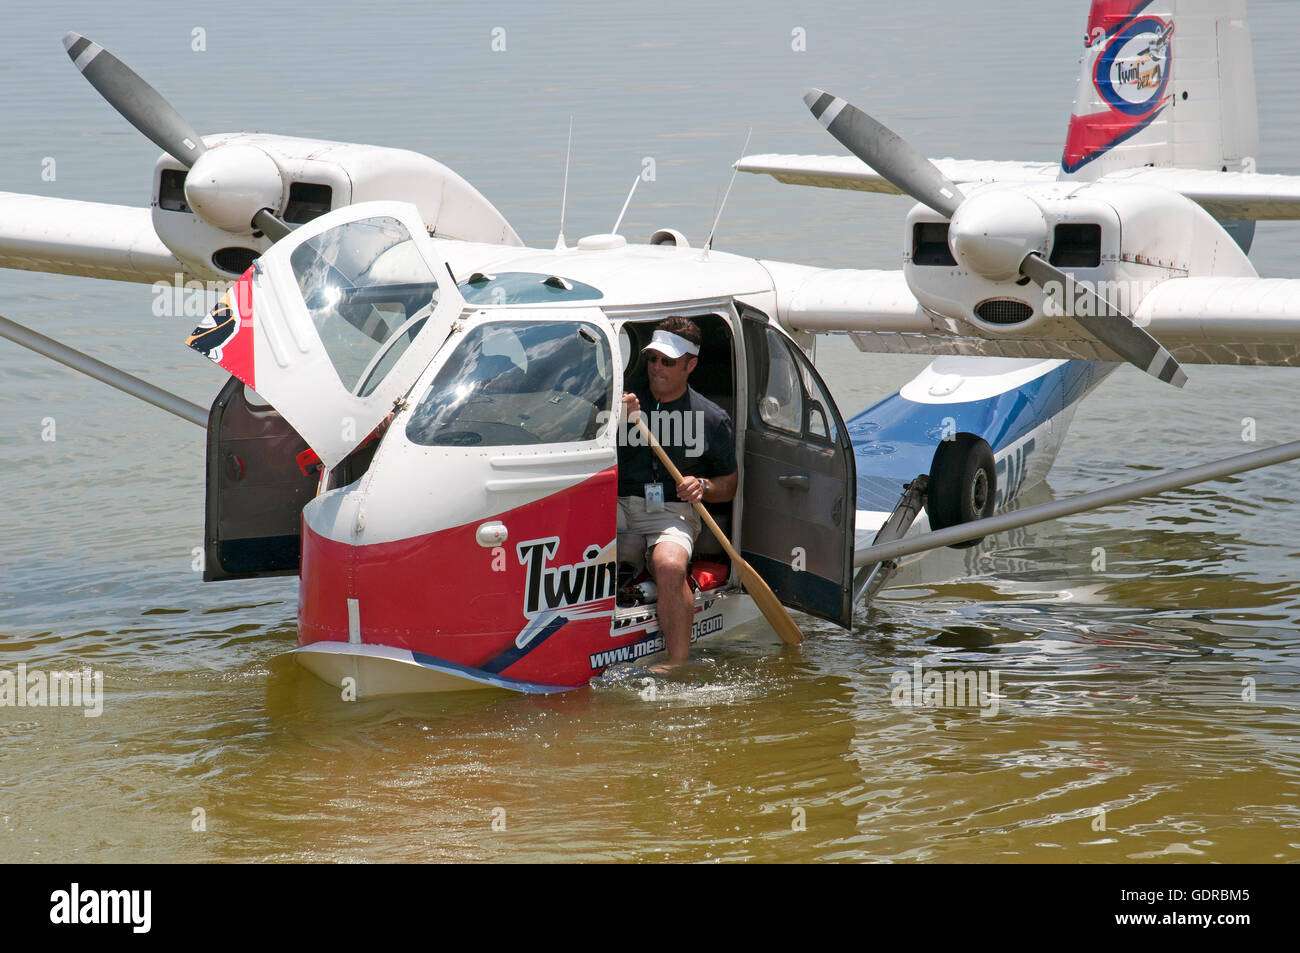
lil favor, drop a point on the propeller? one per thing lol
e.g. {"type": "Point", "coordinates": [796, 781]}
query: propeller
{"type": "Point", "coordinates": [249, 205]}
{"type": "Point", "coordinates": [997, 234]}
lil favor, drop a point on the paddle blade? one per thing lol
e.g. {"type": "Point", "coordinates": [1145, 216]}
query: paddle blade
{"type": "Point", "coordinates": [775, 613]}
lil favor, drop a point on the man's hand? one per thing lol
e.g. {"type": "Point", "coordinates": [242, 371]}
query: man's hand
{"type": "Point", "coordinates": [631, 405]}
{"type": "Point", "coordinates": [691, 490]}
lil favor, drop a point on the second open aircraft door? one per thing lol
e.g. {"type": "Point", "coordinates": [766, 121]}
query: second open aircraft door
{"type": "Point", "coordinates": [800, 482]}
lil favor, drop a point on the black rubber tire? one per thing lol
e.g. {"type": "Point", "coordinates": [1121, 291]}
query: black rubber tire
{"type": "Point", "coordinates": [963, 484]}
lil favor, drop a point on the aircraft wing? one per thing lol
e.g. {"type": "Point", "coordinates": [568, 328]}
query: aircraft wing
{"type": "Point", "coordinates": [848, 299]}
{"type": "Point", "coordinates": [68, 237]}
{"type": "Point", "coordinates": [1241, 321]}
{"type": "Point", "coordinates": [850, 172]}
{"type": "Point", "coordinates": [1228, 196]}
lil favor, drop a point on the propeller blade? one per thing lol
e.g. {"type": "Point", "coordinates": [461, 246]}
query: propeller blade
{"type": "Point", "coordinates": [1109, 325]}
{"type": "Point", "coordinates": [138, 102]}
{"type": "Point", "coordinates": [267, 223]}
{"type": "Point", "coordinates": [885, 151]}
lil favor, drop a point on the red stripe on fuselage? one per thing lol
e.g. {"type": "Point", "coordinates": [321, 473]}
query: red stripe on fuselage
{"type": "Point", "coordinates": [237, 353]}
{"type": "Point", "coordinates": [442, 594]}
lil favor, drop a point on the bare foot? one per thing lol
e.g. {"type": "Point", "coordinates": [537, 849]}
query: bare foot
{"type": "Point", "coordinates": [662, 668]}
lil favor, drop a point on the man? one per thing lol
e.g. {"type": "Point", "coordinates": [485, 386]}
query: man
{"type": "Point", "coordinates": [654, 514]}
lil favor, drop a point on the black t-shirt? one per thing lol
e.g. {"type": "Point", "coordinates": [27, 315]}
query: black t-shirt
{"type": "Point", "coordinates": [694, 430]}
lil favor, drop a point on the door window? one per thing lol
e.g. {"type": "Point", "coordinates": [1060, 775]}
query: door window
{"type": "Point", "coordinates": [791, 398]}
{"type": "Point", "coordinates": [780, 405]}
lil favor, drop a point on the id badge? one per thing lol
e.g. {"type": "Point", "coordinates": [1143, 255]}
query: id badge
{"type": "Point", "coordinates": [654, 497]}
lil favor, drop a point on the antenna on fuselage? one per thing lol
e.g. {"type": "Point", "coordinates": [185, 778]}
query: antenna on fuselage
{"type": "Point", "coordinates": [704, 252]}
{"type": "Point", "coordinates": [564, 195]}
{"type": "Point", "coordinates": [626, 203]}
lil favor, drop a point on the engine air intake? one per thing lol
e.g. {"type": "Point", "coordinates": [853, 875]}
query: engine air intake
{"type": "Point", "coordinates": [1003, 311]}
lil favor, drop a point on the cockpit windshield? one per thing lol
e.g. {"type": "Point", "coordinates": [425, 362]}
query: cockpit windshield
{"type": "Point", "coordinates": [518, 382]}
{"type": "Point", "coordinates": [368, 291]}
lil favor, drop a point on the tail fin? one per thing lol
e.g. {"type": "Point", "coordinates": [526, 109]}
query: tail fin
{"type": "Point", "coordinates": [1163, 83]}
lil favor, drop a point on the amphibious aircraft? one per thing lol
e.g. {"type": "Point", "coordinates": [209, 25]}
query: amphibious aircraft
{"type": "Point", "coordinates": [410, 387]}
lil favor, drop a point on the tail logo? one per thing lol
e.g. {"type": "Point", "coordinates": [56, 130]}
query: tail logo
{"type": "Point", "coordinates": [1131, 76]}
{"type": "Point", "coordinates": [1132, 71]}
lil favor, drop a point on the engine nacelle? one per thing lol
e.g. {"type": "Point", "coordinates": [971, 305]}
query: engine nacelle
{"type": "Point", "coordinates": [1116, 240]}
{"type": "Point", "coordinates": [203, 224]}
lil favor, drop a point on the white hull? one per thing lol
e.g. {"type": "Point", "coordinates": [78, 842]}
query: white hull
{"type": "Point", "coordinates": [363, 670]}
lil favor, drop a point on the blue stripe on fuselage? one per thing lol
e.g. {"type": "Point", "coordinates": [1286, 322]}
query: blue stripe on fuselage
{"type": "Point", "coordinates": [895, 440]}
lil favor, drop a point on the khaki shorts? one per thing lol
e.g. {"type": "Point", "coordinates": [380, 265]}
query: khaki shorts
{"type": "Point", "coordinates": [639, 530]}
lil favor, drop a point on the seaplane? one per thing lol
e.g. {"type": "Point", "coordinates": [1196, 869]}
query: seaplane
{"type": "Point", "coordinates": [420, 414]}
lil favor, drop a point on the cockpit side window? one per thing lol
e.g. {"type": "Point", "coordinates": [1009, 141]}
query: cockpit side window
{"type": "Point", "coordinates": [518, 383]}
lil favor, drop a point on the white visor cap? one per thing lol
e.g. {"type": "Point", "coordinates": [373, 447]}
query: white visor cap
{"type": "Point", "coordinates": [671, 345]}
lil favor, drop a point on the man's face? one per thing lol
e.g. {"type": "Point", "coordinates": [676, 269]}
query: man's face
{"type": "Point", "coordinates": [668, 381]}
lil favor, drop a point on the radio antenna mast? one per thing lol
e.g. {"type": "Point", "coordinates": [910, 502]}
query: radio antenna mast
{"type": "Point", "coordinates": [626, 203]}
{"type": "Point", "coordinates": [564, 196]}
{"type": "Point", "coordinates": [704, 253]}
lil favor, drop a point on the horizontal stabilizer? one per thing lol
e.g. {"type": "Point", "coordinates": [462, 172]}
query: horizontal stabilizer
{"type": "Point", "coordinates": [850, 172]}
{"type": "Point", "coordinates": [1228, 196]}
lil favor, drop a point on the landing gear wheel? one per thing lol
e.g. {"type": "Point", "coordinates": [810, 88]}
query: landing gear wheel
{"type": "Point", "coordinates": [963, 484]}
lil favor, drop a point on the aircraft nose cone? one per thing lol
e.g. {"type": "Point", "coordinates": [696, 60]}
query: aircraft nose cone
{"type": "Point", "coordinates": [991, 233]}
{"type": "Point", "coordinates": [230, 184]}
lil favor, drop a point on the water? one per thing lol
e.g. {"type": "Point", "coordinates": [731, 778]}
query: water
{"type": "Point", "coordinates": [1120, 689]}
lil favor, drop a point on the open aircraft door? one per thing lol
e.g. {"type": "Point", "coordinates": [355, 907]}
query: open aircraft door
{"type": "Point", "coordinates": [331, 327]}
{"type": "Point", "coordinates": [800, 482]}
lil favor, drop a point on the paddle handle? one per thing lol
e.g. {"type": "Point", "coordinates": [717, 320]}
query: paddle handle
{"type": "Point", "coordinates": [754, 584]}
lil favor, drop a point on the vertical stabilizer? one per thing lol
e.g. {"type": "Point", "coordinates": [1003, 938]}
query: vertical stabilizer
{"type": "Point", "coordinates": [1163, 83]}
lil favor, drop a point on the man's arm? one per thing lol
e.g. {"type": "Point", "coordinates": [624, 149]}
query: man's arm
{"type": "Point", "coordinates": [720, 489]}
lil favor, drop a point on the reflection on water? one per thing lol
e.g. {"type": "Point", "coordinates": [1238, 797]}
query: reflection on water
{"type": "Point", "coordinates": [1145, 657]}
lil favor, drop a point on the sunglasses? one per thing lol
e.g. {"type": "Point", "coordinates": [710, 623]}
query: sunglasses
{"type": "Point", "coordinates": [655, 357]}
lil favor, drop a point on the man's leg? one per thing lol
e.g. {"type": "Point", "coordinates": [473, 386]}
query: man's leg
{"type": "Point", "coordinates": [630, 546]}
{"type": "Point", "coordinates": [668, 562]}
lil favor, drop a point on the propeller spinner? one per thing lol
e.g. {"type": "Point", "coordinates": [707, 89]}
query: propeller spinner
{"type": "Point", "coordinates": [232, 192]}
{"type": "Point", "coordinates": [997, 235]}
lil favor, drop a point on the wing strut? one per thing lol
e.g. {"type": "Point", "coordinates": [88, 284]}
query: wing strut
{"type": "Point", "coordinates": [871, 577]}
{"type": "Point", "coordinates": [1058, 509]}
{"type": "Point", "coordinates": [106, 373]}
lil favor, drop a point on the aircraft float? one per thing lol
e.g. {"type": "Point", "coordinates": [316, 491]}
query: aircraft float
{"type": "Point", "coordinates": [421, 415]}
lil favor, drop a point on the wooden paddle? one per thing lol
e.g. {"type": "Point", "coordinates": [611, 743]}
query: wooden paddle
{"type": "Point", "coordinates": [758, 590]}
